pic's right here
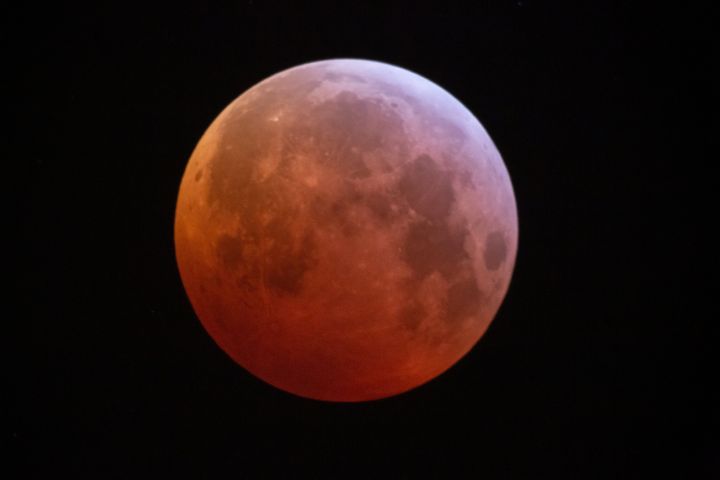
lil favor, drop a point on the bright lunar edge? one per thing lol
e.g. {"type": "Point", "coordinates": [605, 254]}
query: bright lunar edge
{"type": "Point", "coordinates": [346, 230]}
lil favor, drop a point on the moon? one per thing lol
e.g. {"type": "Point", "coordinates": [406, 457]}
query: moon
{"type": "Point", "coordinates": [346, 230]}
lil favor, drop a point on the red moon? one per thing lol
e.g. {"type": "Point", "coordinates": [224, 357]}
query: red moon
{"type": "Point", "coordinates": [346, 230]}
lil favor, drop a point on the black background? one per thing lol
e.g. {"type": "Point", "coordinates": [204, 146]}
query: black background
{"type": "Point", "coordinates": [597, 365]}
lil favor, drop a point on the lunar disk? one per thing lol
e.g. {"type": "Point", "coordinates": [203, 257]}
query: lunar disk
{"type": "Point", "coordinates": [346, 230]}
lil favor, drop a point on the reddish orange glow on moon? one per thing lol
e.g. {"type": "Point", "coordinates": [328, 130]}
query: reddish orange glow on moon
{"type": "Point", "coordinates": [346, 230]}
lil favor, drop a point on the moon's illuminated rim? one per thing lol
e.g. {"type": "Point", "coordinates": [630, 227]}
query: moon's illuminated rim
{"type": "Point", "coordinates": [346, 230]}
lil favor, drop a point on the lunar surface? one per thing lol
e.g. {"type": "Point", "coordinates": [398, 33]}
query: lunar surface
{"type": "Point", "coordinates": [346, 230]}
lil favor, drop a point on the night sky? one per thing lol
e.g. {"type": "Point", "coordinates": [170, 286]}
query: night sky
{"type": "Point", "coordinates": [597, 364]}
